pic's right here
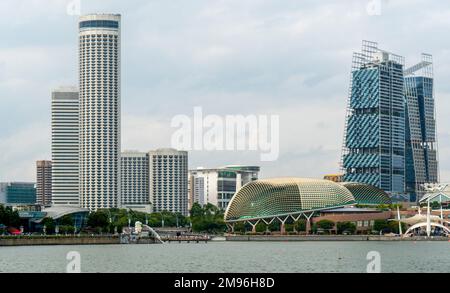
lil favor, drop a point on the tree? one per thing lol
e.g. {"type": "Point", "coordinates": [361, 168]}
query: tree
{"type": "Point", "coordinates": [348, 227]}
{"type": "Point", "coordinates": [196, 211]}
{"type": "Point", "coordinates": [300, 225]}
{"type": "Point", "coordinates": [325, 224]}
{"type": "Point", "coordinates": [98, 219]}
{"type": "Point", "coordinates": [381, 226]}
{"type": "Point", "coordinates": [393, 227]}
{"type": "Point", "coordinates": [66, 220]}
{"type": "Point", "coordinates": [208, 218]}
{"type": "Point", "coordinates": [49, 224]}
{"type": "Point", "coordinates": [8, 217]}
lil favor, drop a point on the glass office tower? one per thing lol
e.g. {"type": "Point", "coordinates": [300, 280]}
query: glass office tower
{"type": "Point", "coordinates": [421, 144]}
{"type": "Point", "coordinates": [390, 131]}
{"type": "Point", "coordinates": [374, 143]}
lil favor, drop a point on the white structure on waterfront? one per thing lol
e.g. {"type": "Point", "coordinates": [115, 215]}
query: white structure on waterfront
{"type": "Point", "coordinates": [168, 170]}
{"type": "Point", "coordinates": [65, 143]}
{"type": "Point", "coordinates": [134, 181]}
{"type": "Point", "coordinates": [99, 77]}
{"type": "Point", "coordinates": [217, 186]}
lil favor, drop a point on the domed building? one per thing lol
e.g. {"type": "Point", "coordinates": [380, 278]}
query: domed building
{"type": "Point", "coordinates": [282, 199]}
{"type": "Point", "coordinates": [286, 196]}
{"type": "Point", "coordinates": [366, 194]}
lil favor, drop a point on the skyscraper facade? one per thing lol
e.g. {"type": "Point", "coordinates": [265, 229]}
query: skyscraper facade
{"type": "Point", "coordinates": [99, 79]}
{"type": "Point", "coordinates": [421, 143]}
{"type": "Point", "coordinates": [135, 181]}
{"type": "Point", "coordinates": [44, 182]}
{"type": "Point", "coordinates": [374, 141]}
{"type": "Point", "coordinates": [390, 137]}
{"type": "Point", "coordinates": [168, 176]}
{"type": "Point", "coordinates": [65, 144]}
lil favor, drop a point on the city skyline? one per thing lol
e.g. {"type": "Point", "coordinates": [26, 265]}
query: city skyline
{"type": "Point", "coordinates": [314, 81]}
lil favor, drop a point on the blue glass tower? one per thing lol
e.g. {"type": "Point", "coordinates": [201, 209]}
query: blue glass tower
{"type": "Point", "coordinates": [374, 142]}
{"type": "Point", "coordinates": [421, 145]}
{"type": "Point", "coordinates": [390, 131]}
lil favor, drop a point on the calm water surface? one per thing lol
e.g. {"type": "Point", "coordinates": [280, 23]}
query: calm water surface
{"type": "Point", "coordinates": [232, 257]}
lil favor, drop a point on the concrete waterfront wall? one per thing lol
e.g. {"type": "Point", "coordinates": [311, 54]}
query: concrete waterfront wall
{"type": "Point", "coordinates": [328, 238]}
{"type": "Point", "coordinates": [24, 241]}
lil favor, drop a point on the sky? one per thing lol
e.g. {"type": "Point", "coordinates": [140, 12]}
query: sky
{"type": "Point", "coordinates": [254, 57]}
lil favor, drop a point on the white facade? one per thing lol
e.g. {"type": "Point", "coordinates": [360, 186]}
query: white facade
{"type": "Point", "coordinates": [99, 74]}
{"type": "Point", "coordinates": [65, 144]}
{"type": "Point", "coordinates": [134, 181]}
{"type": "Point", "coordinates": [168, 170]}
{"type": "Point", "coordinates": [217, 186]}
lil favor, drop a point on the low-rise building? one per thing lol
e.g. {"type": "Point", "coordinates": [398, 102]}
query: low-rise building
{"type": "Point", "coordinates": [19, 193]}
{"type": "Point", "coordinates": [217, 186]}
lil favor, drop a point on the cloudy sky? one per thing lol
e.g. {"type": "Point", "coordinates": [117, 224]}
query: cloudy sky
{"type": "Point", "coordinates": [252, 57]}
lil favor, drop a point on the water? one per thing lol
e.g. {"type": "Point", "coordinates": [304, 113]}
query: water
{"type": "Point", "coordinates": [232, 257]}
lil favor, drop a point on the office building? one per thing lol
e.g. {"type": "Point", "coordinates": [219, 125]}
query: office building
{"type": "Point", "coordinates": [421, 143]}
{"type": "Point", "coordinates": [168, 173]}
{"type": "Point", "coordinates": [65, 144]}
{"type": "Point", "coordinates": [99, 90]}
{"type": "Point", "coordinates": [217, 186]}
{"type": "Point", "coordinates": [135, 181]}
{"type": "Point", "coordinates": [390, 136]}
{"type": "Point", "coordinates": [374, 150]}
{"type": "Point", "coordinates": [19, 193]}
{"type": "Point", "coordinates": [44, 182]}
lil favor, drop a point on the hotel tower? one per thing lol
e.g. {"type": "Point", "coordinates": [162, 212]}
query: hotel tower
{"type": "Point", "coordinates": [99, 90]}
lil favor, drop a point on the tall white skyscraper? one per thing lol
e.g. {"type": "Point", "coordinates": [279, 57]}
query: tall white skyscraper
{"type": "Point", "coordinates": [99, 69]}
{"type": "Point", "coordinates": [169, 180]}
{"type": "Point", "coordinates": [65, 132]}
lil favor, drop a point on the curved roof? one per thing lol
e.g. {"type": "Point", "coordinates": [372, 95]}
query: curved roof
{"type": "Point", "coordinates": [285, 196]}
{"type": "Point", "coordinates": [56, 212]}
{"type": "Point", "coordinates": [366, 194]}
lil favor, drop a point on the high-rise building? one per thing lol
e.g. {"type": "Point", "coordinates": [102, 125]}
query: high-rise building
{"type": "Point", "coordinates": [99, 78]}
{"type": "Point", "coordinates": [134, 181]}
{"type": "Point", "coordinates": [390, 136]}
{"type": "Point", "coordinates": [65, 143]}
{"type": "Point", "coordinates": [374, 142]}
{"type": "Point", "coordinates": [421, 144]}
{"type": "Point", "coordinates": [217, 186]}
{"type": "Point", "coordinates": [44, 182]}
{"type": "Point", "coordinates": [168, 176]}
